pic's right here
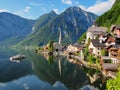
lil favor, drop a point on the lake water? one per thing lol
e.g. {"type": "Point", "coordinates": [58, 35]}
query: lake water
{"type": "Point", "coordinates": [43, 72]}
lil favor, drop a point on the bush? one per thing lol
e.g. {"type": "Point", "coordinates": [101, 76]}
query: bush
{"type": "Point", "coordinates": [114, 84]}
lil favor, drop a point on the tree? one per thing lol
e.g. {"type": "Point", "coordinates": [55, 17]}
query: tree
{"type": "Point", "coordinates": [104, 52]}
{"type": "Point", "coordinates": [51, 46]}
{"type": "Point", "coordinates": [86, 52]}
{"type": "Point", "coordinates": [82, 38]}
{"type": "Point", "coordinates": [92, 58]}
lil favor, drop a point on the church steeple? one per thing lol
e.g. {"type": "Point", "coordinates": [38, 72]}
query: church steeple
{"type": "Point", "coordinates": [60, 36]}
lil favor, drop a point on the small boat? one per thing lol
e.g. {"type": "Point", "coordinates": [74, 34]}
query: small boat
{"type": "Point", "coordinates": [17, 58]}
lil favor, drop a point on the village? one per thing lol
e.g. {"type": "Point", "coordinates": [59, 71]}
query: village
{"type": "Point", "coordinates": [100, 48]}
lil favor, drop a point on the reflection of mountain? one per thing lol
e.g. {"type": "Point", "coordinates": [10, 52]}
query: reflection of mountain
{"type": "Point", "coordinates": [31, 82]}
{"type": "Point", "coordinates": [12, 70]}
{"type": "Point", "coordinates": [59, 69]}
{"type": "Point", "coordinates": [71, 75]}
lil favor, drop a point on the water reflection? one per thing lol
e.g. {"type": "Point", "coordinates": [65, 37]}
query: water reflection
{"type": "Point", "coordinates": [40, 70]}
{"type": "Point", "coordinates": [12, 70]}
{"type": "Point", "coordinates": [59, 69]}
{"type": "Point", "coordinates": [31, 83]}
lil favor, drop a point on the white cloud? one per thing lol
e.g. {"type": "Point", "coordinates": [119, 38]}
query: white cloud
{"type": "Point", "coordinates": [101, 6]}
{"type": "Point", "coordinates": [69, 2]}
{"type": "Point", "coordinates": [26, 9]}
{"type": "Point", "coordinates": [34, 4]}
{"type": "Point", "coordinates": [4, 10]}
{"type": "Point", "coordinates": [23, 12]}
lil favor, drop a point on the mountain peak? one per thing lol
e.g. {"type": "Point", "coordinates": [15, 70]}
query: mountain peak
{"type": "Point", "coordinates": [73, 22]}
{"type": "Point", "coordinates": [53, 12]}
{"type": "Point", "coordinates": [75, 8]}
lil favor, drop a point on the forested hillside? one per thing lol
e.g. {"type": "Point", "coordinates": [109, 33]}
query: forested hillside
{"type": "Point", "coordinates": [110, 17]}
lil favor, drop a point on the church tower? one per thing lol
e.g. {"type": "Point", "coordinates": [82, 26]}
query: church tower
{"type": "Point", "coordinates": [60, 36]}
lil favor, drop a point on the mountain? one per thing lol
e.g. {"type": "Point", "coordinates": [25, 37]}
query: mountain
{"type": "Point", "coordinates": [73, 22]}
{"type": "Point", "coordinates": [43, 20]}
{"type": "Point", "coordinates": [110, 17]}
{"type": "Point", "coordinates": [14, 26]}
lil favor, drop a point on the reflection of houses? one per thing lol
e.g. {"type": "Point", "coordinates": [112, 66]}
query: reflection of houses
{"type": "Point", "coordinates": [94, 32]}
{"type": "Point", "coordinates": [95, 47]}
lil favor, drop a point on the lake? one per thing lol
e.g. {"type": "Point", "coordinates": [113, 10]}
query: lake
{"type": "Point", "coordinates": [43, 72]}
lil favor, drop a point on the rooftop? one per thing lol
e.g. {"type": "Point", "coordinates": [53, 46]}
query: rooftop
{"type": "Point", "coordinates": [97, 29]}
{"type": "Point", "coordinates": [113, 27]}
{"type": "Point", "coordinates": [97, 43]}
{"type": "Point", "coordinates": [110, 66]}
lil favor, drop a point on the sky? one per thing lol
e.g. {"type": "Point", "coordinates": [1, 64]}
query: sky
{"type": "Point", "coordinates": [33, 9]}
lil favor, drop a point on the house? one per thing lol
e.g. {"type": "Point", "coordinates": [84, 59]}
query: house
{"type": "Point", "coordinates": [114, 53]}
{"type": "Point", "coordinates": [115, 30]}
{"type": "Point", "coordinates": [94, 31]}
{"type": "Point", "coordinates": [57, 46]}
{"type": "Point", "coordinates": [110, 41]}
{"type": "Point", "coordinates": [110, 67]}
{"type": "Point", "coordinates": [95, 47]}
{"type": "Point", "coordinates": [104, 37]}
{"type": "Point", "coordinates": [74, 48]}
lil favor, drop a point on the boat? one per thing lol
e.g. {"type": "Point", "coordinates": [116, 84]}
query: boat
{"type": "Point", "coordinates": [17, 58]}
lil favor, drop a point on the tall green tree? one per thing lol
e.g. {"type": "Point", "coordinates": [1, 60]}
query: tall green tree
{"type": "Point", "coordinates": [51, 46]}
{"type": "Point", "coordinates": [82, 38]}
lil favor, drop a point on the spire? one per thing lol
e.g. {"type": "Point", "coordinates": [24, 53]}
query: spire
{"type": "Point", "coordinates": [60, 37]}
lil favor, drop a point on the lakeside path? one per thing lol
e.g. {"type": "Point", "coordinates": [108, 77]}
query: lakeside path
{"type": "Point", "coordinates": [87, 64]}
{"type": "Point", "coordinates": [80, 59]}
{"type": "Point", "coordinates": [95, 66]}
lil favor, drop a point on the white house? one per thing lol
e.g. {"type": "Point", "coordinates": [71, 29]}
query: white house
{"type": "Point", "coordinates": [94, 31]}
{"type": "Point", "coordinates": [73, 48]}
{"type": "Point", "coordinates": [95, 47]}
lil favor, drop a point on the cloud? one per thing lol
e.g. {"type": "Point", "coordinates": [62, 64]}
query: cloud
{"type": "Point", "coordinates": [4, 10]}
{"type": "Point", "coordinates": [34, 4]}
{"type": "Point", "coordinates": [101, 6]}
{"type": "Point", "coordinates": [26, 9]}
{"type": "Point", "coordinates": [23, 11]}
{"type": "Point", "coordinates": [69, 2]}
